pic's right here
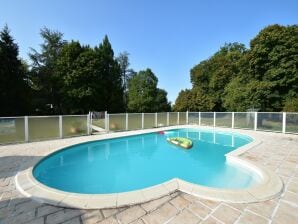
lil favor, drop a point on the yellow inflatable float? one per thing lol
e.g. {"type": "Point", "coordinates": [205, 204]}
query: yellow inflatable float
{"type": "Point", "coordinates": [182, 142]}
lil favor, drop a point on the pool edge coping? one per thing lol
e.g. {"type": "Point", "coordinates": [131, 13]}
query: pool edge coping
{"type": "Point", "coordinates": [269, 187]}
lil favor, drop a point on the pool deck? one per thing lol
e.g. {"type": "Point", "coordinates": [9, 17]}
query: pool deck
{"type": "Point", "coordinates": [277, 152]}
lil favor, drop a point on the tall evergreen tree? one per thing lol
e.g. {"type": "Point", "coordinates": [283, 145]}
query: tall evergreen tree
{"type": "Point", "coordinates": [110, 72]}
{"type": "Point", "coordinates": [13, 86]}
{"type": "Point", "coordinates": [48, 83]}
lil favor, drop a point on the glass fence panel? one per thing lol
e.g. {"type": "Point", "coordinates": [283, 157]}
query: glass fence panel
{"type": "Point", "coordinates": [117, 122]}
{"type": "Point", "coordinates": [173, 118]}
{"type": "Point", "coordinates": [134, 121]}
{"type": "Point", "coordinates": [182, 118]}
{"type": "Point", "coordinates": [161, 119]}
{"type": "Point", "coordinates": [41, 128]}
{"type": "Point", "coordinates": [244, 120]}
{"type": "Point", "coordinates": [12, 130]}
{"type": "Point", "coordinates": [193, 118]}
{"type": "Point", "coordinates": [149, 120]}
{"type": "Point", "coordinates": [223, 120]}
{"type": "Point", "coordinates": [269, 121]}
{"type": "Point", "coordinates": [207, 118]}
{"type": "Point", "coordinates": [74, 125]}
{"type": "Point", "coordinates": [292, 122]}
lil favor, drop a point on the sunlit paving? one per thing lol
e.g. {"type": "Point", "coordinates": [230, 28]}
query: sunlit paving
{"type": "Point", "coordinates": [149, 112]}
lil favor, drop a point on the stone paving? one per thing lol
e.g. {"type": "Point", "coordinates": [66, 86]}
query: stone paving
{"type": "Point", "coordinates": [278, 152]}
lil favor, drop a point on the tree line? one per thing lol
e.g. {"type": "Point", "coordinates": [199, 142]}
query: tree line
{"type": "Point", "coordinates": [66, 77]}
{"type": "Point", "coordinates": [263, 77]}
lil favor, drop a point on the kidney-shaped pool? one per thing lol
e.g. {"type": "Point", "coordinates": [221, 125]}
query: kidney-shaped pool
{"type": "Point", "coordinates": [140, 161]}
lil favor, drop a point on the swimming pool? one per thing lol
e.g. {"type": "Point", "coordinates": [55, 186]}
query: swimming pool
{"type": "Point", "coordinates": [140, 161]}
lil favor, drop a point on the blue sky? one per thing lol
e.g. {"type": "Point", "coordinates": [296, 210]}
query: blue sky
{"type": "Point", "coordinates": [168, 36]}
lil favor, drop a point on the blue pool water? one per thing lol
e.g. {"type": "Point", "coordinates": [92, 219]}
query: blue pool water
{"type": "Point", "coordinates": [131, 163]}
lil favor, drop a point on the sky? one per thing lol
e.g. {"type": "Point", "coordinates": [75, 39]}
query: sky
{"type": "Point", "coordinates": [168, 36]}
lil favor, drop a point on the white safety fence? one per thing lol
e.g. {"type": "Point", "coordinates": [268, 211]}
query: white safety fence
{"type": "Point", "coordinates": [262, 121]}
{"type": "Point", "coordinates": [36, 128]}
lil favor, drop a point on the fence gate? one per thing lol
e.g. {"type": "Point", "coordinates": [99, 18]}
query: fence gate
{"type": "Point", "coordinates": [98, 121]}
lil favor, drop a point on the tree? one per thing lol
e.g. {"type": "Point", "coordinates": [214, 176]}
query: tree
{"type": "Point", "coordinates": [109, 69]}
{"type": "Point", "coordinates": [273, 58]}
{"type": "Point", "coordinates": [161, 101]}
{"type": "Point", "coordinates": [14, 89]}
{"type": "Point", "coordinates": [291, 105]}
{"type": "Point", "coordinates": [212, 75]}
{"type": "Point", "coordinates": [47, 82]}
{"type": "Point", "coordinates": [143, 94]}
{"type": "Point", "coordinates": [126, 72]}
{"type": "Point", "coordinates": [75, 66]}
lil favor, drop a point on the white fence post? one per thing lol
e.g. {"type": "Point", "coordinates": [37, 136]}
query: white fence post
{"type": "Point", "coordinates": [87, 124]}
{"type": "Point", "coordinates": [126, 122]}
{"type": "Point", "coordinates": [284, 122]}
{"type": "Point", "coordinates": [214, 119]}
{"type": "Point", "coordinates": [156, 120]}
{"type": "Point", "coordinates": [178, 118]}
{"type": "Point", "coordinates": [60, 127]}
{"type": "Point", "coordinates": [91, 120]}
{"type": "Point", "coordinates": [256, 121]}
{"type": "Point", "coordinates": [26, 129]}
{"type": "Point", "coordinates": [200, 118]}
{"type": "Point", "coordinates": [142, 120]}
{"type": "Point", "coordinates": [233, 119]}
{"type": "Point", "coordinates": [186, 117]}
{"type": "Point", "coordinates": [168, 118]}
{"type": "Point", "coordinates": [106, 120]}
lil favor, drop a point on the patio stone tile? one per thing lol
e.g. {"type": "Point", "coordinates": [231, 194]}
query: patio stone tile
{"type": "Point", "coordinates": [199, 209]}
{"type": "Point", "coordinates": [211, 220]}
{"type": "Point", "coordinates": [163, 214]}
{"type": "Point", "coordinates": [152, 205]}
{"type": "Point", "coordinates": [139, 221]}
{"type": "Point", "coordinates": [23, 217]}
{"type": "Point", "coordinates": [47, 209]}
{"type": "Point", "coordinates": [91, 217]}
{"type": "Point", "coordinates": [209, 203]}
{"type": "Point", "coordinates": [286, 214]}
{"type": "Point", "coordinates": [26, 206]}
{"type": "Point", "coordinates": [249, 217]}
{"type": "Point", "coordinates": [179, 202]}
{"type": "Point", "coordinates": [39, 220]}
{"type": "Point", "coordinates": [284, 172]}
{"type": "Point", "coordinates": [290, 197]}
{"type": "Point", "coordinates": [238, 206]}
{"type": "Point", "coordinates": [131, 214]}
{"type": "Point", "coordinates": [110, 220]}
{"type": "Point", "coordinates": [263, 208]}
{"type": "Point", "coordinates": [109, 212]}
{"type": "Point", "coordinates": [62, 216]}
{"type": "Point", "coordinates": [189, 197]}
{"type": "Point", "coordinates": [226, 214]}
{"type": "Point", "coordinates": [73, 221]}
{"type": "Point", "coordinates": [185, 216]}
{"type": "Point", "coordinates": [293, 186]}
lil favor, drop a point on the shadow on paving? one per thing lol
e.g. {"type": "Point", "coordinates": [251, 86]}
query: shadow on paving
{"type": "Point", "coordinates": [10, 165]}
{"type": "Point", "coordinates": [25, 210]}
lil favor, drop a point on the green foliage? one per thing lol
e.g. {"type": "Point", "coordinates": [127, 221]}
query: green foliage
{"type": "Point", "coordinates": [44, 75]}
{"type": "Point", "coordinates": [263, 77]}
{"type": "Point", "coordinates": [291, 105]}
{"type": "Point", "coordinates": [14, 88]}
{"type": "Point", "coordinates": [143, 94]}
{"type": "Point", "coordinates": [91, 78]}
